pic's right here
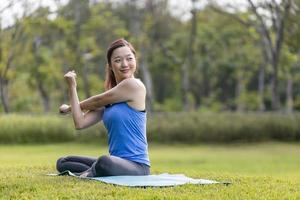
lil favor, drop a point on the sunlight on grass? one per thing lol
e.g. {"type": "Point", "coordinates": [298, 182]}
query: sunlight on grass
{"type": "Point", "coordinates": [257, 171]}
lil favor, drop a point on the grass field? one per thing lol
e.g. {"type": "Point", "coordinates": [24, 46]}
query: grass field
{"type": "Point", "coordinates": [257, 171]}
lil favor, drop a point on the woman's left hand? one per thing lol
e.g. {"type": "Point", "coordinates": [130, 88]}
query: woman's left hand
{"type": "Point", "coordinates": [64, 109]}
{"type": "Point", "coordinates": [71, 78]}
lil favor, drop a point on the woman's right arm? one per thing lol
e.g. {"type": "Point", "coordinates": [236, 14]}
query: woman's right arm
{"type": "Point", "coordinates": [90, 118]}
{"type": "Point", "coordinates": [80, 119]}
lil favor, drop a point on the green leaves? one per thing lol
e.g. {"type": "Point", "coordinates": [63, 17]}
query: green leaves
{"type": "Point", "coordinates": [225, 71]}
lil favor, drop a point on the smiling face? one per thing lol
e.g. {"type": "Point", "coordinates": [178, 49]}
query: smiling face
{"type": "Point", "coordinates": [123, 63]}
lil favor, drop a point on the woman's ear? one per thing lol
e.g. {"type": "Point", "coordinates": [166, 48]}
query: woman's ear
{"type": "Point", "coordinates": [112, 71]}
{"type": "Point", "coordinates": [109, 66]}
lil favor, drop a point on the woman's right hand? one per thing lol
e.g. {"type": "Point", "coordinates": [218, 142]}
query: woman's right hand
{"type": "Point", "coordinates": [64, 109]}
{"type": "Point", "coordinates": [71, 78]}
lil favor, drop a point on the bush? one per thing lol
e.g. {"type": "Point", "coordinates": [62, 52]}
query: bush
{"type": "Point", "coordinates": [162, 127]}
{"type": "Point", "coordinates": [34, 129]}
{"type": "Point", "coordinates": [45, 129]}
{"type": "Point", "coordinates": [222, 127]}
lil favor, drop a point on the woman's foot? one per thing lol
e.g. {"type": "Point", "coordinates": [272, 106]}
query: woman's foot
{"type": "Point", "coordinates": [84, 174]}
{"type": "Point", "coordinates": [87, 173]}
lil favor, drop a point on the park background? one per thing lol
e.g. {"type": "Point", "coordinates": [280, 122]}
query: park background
{"type": "Point", "coordinates": [223, 92]}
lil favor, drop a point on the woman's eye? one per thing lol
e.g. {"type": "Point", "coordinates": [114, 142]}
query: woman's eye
{"type": "Point", "coordinates": [129, 58]}
{"type": "Point", "coordinates": [118, 60]}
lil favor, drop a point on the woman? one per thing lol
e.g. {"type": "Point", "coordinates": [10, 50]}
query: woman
{"type": "Point", "coordinates": [122, 109]}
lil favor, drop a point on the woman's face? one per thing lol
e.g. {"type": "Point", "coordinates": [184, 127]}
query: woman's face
{"type": "Point", "coordinates": [123, 63]}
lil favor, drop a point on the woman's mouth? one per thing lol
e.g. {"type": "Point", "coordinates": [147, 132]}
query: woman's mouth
{"type": "Point", "coordinates": [124, 70]}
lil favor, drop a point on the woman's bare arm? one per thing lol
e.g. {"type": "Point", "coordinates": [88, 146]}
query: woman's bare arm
{"type": "Point", "coordinates": [130, 90]}
{"type": "Point", "coordinates": [80, 119]}
{"type": "Point", "coordinates": [83, 120]}
{"type": "Point", "coordinates": [127, 90]}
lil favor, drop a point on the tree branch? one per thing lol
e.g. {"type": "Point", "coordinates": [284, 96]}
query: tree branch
{"type": "Point", "coordinates": [233, 16]}
{"type": "Point", "coordinates": [170, 54]}
{"type": "Point", "coordinates": [11, 3]}
{"type": "Point", "coordinates": [281, 23]}
{"type": "Point", "coordinates": [262, 28]}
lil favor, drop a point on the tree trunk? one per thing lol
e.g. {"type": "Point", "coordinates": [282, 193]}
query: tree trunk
{"type": "Point", "coordinates": [3, 83]}
{"type": "Point", "coordinates": [63, 87]}
{"type": "Point", "coordinates": [185, 85]}
{"type": "Point", "coordinates": [274, 48]}
{"type": "Point", "coordinates": [78, 60]}
{"type": "Point", "coordinates": [4, 80]}
{"type": "Point", "coordinates": [44, 95]}
{"type": "Point", "coordinates": [86, 84]}
{"type": "Point", "coordinates": [42, 90]}
{"type": "Point", "coordinates": [4, 95]}
{"type": "Point", "coordinates": [38, 76]}
{"type": "Point", "coordinates": [3, 74]}
{"type": "Point", "coordinates": [205, 73]}
{"type": "Point", "coordinates": [274, 88]}
{"type": "Point", "coordinates": [146, 76]}
{"type": "Point", "coordinates": [189, 62]}
{"type": "Point", "coordinates": [240, 87]}
{"type": "Point", "coordinates": [261, 75]}
{"type": "Point", "coordinates": [289, 94]}
{"type": "Point", "coordinates": [261, 88]}
{"type": "Point", "coordinates": [135, 29]}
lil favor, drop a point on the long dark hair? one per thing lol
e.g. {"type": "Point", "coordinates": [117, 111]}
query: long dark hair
{"type": "Point", "coordinates": [110, 79]}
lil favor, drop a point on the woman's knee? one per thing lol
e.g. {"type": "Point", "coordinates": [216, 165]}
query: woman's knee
{"type": "Point", "coordinates": [59, 164]}
{"type": "Point", "coordinates": [103, 166]}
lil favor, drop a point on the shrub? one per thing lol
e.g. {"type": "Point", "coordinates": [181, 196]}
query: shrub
{"type": "Point", "coordinates": [162, 127]}
{"type": "Point", "coordinates": [34, 129]}
{"type": "Point", "coordinates": [222, 127]}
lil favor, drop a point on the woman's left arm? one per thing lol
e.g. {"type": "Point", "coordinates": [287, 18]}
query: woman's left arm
{"type": "Point", "coordinates": [126, 90]}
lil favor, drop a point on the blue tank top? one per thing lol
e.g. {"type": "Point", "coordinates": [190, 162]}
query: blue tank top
{"type": "Point", "coordinates": [126, 132]}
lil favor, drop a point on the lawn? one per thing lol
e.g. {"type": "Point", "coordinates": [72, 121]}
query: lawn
{"type": "Point", "coordinates": [257, 171]}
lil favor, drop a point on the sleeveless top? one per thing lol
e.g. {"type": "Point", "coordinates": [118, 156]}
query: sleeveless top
{"type": "Point", "coordinates": [126, 132]}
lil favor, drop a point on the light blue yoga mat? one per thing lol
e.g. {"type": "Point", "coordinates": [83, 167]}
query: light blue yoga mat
{"type": "Point", "coordinates": [160, 180]}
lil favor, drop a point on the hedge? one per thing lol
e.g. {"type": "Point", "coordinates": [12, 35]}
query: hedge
{"type": "Point", "coordinates": [162, 128]}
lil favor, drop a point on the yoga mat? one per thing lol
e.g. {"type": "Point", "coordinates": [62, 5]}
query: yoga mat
{"type": "Point", "coordinates": [159, 180]}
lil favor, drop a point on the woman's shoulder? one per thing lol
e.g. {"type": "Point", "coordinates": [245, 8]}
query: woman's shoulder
{"type": "Point", "coordinates": [136, 92]}
{"type": "Point", "coordinates": [134, 83]}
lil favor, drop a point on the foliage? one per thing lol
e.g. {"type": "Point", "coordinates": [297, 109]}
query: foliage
{"type": "Point", "coordinates": [38, 49]}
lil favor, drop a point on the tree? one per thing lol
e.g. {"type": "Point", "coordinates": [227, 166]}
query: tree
{"type": "Point", "coordinates": [291, 54]}
{"type": "Point", "coordinates": [10, 38]}
{"type": "Point", "coordinates": [136, 16]}
{"type": "Point", "coordinates": [187, 62]}
{"type": "Point", "coordinates": [271, 36]}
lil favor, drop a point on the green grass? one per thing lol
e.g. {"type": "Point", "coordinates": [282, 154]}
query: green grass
{"type": "Point", "coordinates": [257, 171]}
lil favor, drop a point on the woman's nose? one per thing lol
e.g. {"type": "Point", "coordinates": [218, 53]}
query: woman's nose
{"type": "Point", "coordinates": [124, 63]}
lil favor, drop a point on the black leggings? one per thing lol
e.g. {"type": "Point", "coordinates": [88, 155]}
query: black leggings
{"type": "Point", "coordinates": [103, 166]}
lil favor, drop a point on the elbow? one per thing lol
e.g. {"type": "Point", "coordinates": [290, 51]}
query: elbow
{"type": "Point", "coordinates": [79, 127]}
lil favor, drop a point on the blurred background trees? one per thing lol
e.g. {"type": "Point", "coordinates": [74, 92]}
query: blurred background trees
{"type": "Point", "coordinates": [221, 57]}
